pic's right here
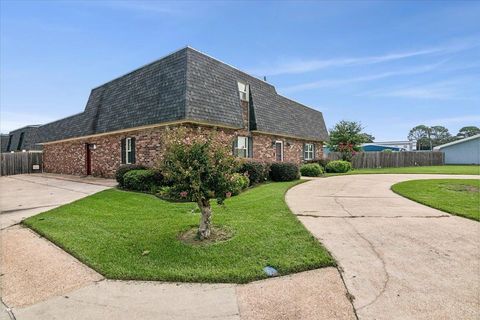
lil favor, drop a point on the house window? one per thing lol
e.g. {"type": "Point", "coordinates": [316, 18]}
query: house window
{"type": "Point", "coordinates": [279, 151]}
{"type": "Point", "coordinates": [241, 147]}
{"type": "Point", "coordinates": [20, 141]}
{"type": "Point", "coordinates": [243, 91]}
{"type": "Point", "coordinates": [9, 145]}
{"type": "Point", "coordinates": [128, 150]}
{"type": "Point", "coordinates": [308, 151]}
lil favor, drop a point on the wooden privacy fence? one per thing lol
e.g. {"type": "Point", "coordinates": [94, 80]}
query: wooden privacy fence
{"type": "Point", "coordinates": [393, 159]}
{"type": "Point", "coordinates": [21, 162]}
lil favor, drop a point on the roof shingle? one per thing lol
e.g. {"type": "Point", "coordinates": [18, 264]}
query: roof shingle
{"type": "Point", "coordinates": [191, 86]}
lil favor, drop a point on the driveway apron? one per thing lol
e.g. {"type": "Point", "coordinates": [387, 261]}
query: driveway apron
{"type": "Point", "coordinates": [400, 259]}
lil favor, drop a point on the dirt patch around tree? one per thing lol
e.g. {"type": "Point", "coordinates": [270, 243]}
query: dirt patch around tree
{"type": "Point", "coordinates": [218, 234]}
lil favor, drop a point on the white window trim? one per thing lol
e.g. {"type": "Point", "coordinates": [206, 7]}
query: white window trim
{"type": "Point", "coordinates": [281, 143]}
{"type": "Point", "coordinates": [308, 152]}
{"type": "Point", "coordinates": [128, 149]}
{"type": "Point", "coordinates": [246, 91]}
{"type": "Point", "coordinates": [246, 148]}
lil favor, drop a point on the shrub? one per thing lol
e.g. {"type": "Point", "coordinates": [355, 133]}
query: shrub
{"type": "Point", "coordinates": [239, 182]}
{"type": "Point", "coordinates": [142, 180]}
{"type": "Point", "coordinates": [323, 162]}
{"type": "Point", "coordinates": [311, 170]}
{"type": "Point", "coordinates": [284, 171]}
{"type": "Point", "coordinates": [124, 169]}
{"type": "Point", "coordinates": [338, 166]}
{"type": "Point", "coordinates": [257, 172]}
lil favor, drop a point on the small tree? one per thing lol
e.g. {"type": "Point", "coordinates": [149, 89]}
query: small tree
{"type": "Point", "coordinates": [346, 138]}
{"type": "Point", "coordinates": [199, 169]}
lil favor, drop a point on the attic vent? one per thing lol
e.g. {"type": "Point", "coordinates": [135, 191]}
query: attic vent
{"type": "Point", "coordinates": [243, 91]}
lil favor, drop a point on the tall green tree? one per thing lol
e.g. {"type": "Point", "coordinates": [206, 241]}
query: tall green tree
{"type": "Point", "coordinates": [429, 137]}
{"type": "Point", "coordinates": [346, 137]}
{"type": "Point", "coordinates": [440, 135]}
{"type": "Point", "coordinates": [422, 135]}
{"type": "Point", "coordinates": [468, 131]}
{"type": "Point", "coordinates": [367, 138]}
{"type": "Point", "coordinates": [199, 169]}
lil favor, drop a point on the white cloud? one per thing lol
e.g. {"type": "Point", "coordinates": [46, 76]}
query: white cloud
{"type": "Point", "coordinates": [155, 7]}
{"type": "Point", "coordinates": [471, 119]}
{"type": "Point", "coordinates": [445, 90]}
{"type": "Point", "coordinates": [338, 82]}
{"type": "Point", "coordinates": [303, 66]}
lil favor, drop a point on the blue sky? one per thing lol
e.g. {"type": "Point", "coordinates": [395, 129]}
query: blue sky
{"type": "Point", "coordinates": [390, 65]}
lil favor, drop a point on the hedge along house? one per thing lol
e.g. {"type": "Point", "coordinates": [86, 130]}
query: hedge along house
{"type": "Point", "coordinates": [125, 119]}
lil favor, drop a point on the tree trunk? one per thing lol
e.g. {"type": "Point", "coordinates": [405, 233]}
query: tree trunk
{"type": "Point", "coordinates": [205, 219]}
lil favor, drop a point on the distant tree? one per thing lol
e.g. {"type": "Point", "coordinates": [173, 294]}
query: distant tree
{"type": "Point", "coordinates": [440, 135]}
{"type": "Point", "coordinates": [422, 135]}
{"type": "Point", "coordinates": [346, 138]}
{"type": "Point", "coordinates": [367, 138]}
{"type": "Point", "coordinates": [468, 131]}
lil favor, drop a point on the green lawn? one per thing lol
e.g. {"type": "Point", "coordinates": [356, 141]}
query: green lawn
{"type": "Point", "coordinates": [110, 230]}
{"type": "Point", "coordinates": [447, 169]}
{"type": "Point", "coordinates": [456, 196]}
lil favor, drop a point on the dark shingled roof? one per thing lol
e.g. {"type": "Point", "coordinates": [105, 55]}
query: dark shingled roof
{"type": "Point", "coordinates": [30, 138]}
{"type": "Point", "coordinates": [191, 86]}
{"type": "Point", "coordinates": [4, 142]}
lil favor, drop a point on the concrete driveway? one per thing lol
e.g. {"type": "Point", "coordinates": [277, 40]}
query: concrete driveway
{"type": "Point", "coordinates": [31, 268]}
{"type": "Point", "coordinates": [400, 259]}
{"type": "Point", "coordinates": [39, 281]}
{"type": "Point", "coordinates": [22, 196]}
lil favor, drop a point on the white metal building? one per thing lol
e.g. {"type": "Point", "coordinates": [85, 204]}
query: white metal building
{"type": "Point", "coordinates": [464, 151]}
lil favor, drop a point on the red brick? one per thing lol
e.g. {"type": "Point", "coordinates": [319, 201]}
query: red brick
{"type": "Point", "coordinates": [69, 157]}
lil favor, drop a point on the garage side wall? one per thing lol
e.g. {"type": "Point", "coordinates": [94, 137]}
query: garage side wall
{"type": "Point", "coordinates": [467, 152]}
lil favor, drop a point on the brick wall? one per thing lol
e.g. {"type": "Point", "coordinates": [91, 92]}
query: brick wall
{"type": "Point", "coordinates": [264, 148]}
{"type": "Point", "coordinates": [69, 157]}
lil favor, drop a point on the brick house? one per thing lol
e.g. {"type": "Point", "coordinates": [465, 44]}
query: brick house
{"type": "Point", "coordinates": [20, 139]}
{"type": "Point", "coordinates": [125, 119]}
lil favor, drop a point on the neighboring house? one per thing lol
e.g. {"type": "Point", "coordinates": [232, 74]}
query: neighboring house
{"type": "Point", "coordinates": [125, 119]}
{"type": "Point", "coordinates": [392, 145]}
{"type": "Point", "coordinates": [3, 142]}
{"type": "Point", "coordinates": [464, 151]}
{"type": "Point", "coordinates": [25, 138]}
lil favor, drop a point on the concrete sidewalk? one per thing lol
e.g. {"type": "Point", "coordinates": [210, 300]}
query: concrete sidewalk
{"type": "Point", "coordinates": [401, 259]}
{"type": "Point", "coordinates": [313, 295]}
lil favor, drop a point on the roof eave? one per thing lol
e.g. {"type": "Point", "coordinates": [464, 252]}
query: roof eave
{"type": "Point", "coordinates": [456, 142]}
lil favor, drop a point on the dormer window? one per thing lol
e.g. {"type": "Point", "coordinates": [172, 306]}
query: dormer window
{"type": "Point", "coordinates": [243, 91]}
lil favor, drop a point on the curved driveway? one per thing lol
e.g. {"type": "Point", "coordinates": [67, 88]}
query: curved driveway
{"type": "Point", "coordinates": [400, 259]}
